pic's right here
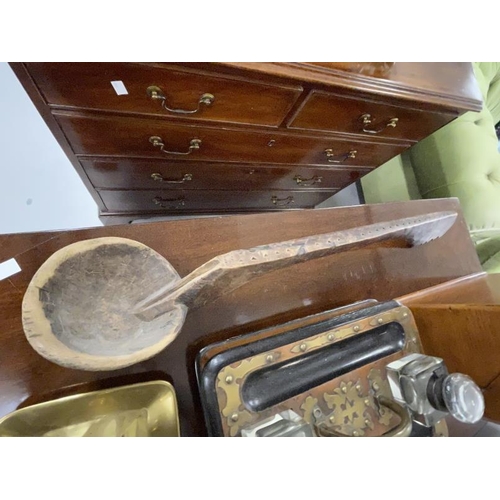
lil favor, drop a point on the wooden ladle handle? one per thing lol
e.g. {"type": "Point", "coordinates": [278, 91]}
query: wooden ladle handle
{"type": "Point", "coordinates": [229, 271]}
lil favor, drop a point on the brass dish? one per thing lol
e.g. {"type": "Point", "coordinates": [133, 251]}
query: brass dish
{"type": "Point", "coordinates": [140, 410]}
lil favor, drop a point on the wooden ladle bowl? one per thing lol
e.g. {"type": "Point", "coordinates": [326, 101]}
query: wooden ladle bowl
{"type": "Point", "coordinates": [77, 310]}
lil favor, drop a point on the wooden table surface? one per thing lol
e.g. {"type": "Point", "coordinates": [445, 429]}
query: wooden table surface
{"type": "Point", "coordinates": [26, 377]}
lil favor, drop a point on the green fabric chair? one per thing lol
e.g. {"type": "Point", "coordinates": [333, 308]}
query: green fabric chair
{"type": "Point", "coordinates": [460, 160]}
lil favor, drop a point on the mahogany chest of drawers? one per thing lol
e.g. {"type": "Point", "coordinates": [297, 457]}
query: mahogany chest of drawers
{"type": "Point", "coordinates": [152, 139]}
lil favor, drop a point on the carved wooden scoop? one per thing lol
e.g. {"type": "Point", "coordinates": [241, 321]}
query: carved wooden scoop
{"type": "Point", "coordinates": [107, 303]}
{"type": "Point", "coordinates": [229, 271]}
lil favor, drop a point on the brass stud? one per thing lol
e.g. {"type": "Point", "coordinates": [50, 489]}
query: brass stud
{"type": "Point", "coordinates": [269, 358]}
{"type": "Point", "coordinates": [344, 389]}
{"type": "Point", "coordinates": [303, 347]}
{"type": "Point", "coordinates": [367, 402]}
{"type": "Point", "coordinates": [355, 433]}
{"type": "Point", "coordinates": [367, 422]}
{"type": "Point", "coordinates": [234, 417]}
{"type": "Point", "coordinates": [356, 328]}
{"type": "Point", "coordinates": [358, 387]}
{"type": "Point", "coordinates": [380, 321]}
{"type": "Point", "coordinates": [332, 419]}
{"type": "Point", "coordinates": [375, 386]}
{"type": "Point", "coordinates": [405, 315]}
{"type": "Point", "coordinates": [229, 379]}
{"type": "Point", "coordinates": [331, 336]}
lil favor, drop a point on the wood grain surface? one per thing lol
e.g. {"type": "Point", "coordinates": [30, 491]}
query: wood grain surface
{"type": "Point", "coordinates": [288, 294]}
{"type": "Point", "coordinates": [458, 322]}
{"type": "Point", "coordinates": [255, 113]}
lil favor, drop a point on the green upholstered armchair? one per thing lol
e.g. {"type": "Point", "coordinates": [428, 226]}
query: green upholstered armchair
{"type": "Point", "coordinates": [460, 160]}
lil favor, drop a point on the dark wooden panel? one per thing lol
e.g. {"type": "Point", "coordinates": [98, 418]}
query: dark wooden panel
{"type": "Point", "coordinates": [485, 288]}
{"type": "Point", "coordinates": [158, 174]}
{"type": "Point", "coordinates": [88, 85]}
{"type": "Point", "coordinates": [116, 218]}
{"type": "Point", "coordinates": [466, 337]}
{"type": "Point", "coordinates": [338, 113]}
{"type": "Point", "coordinates": [278, 297]}
{"type": "Point", "coordinates": [458, 321]}
{"type": "Point", "coordinates": [441, 85]}
{"type": "Point", "coordinates": [120, 136]}
{"type": "Point", "coordinates": [183, 199]}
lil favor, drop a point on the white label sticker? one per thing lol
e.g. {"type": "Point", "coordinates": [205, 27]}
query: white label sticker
{"type": "Point", "coordinates": [119, 87]}
{"type": "Point", "coordinates": [8, 268]}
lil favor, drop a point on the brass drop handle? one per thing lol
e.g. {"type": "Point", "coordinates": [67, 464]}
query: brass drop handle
{"type": "Point", "coordinates": [157, 142]}
{"type": "Point", "coordinates": [156, 93]}
{"type": "Point", "coordinates": [333, 158]}
{"type": "Point", "coordinates": [160, 178]}
{"type": "Point", "coordinates": [158, 200]}
{"type": "Point", "coordinates": [368, 120]}
{"type": "Point", "coordinates": [403, 429]}
{"type": "Point", "coordinates": [317, 179]}
{"type": "Point", "coordinates": [282, 202]}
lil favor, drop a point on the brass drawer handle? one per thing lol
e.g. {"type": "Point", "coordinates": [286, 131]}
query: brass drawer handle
{"type": "Point", "coordinates": [157, 94]}
{"type": "Point", "coordinates": [333, 158]}
{"type": "Point", "coordinates": [367, 120]}
{"type": "Point", "coordinates": [160, 178]}
{"type": "Point", "coordinates": [317, 179]}
{"type": "Point", "coordinates": [157, 142]}
{"type": "Point", "coordinates": [162, 202]}
{"type": "Point", "coordinates": [403, 429]}
{"type": "Point", "coordinates": [282, 202]}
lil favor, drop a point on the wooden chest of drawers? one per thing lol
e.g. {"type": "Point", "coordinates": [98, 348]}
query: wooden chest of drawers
{"type": "Point", "coordinates": [153, 139]}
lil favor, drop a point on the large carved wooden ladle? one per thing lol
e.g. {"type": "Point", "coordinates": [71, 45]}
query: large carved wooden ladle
{"type": "Point", "coordinates": [108, 303]}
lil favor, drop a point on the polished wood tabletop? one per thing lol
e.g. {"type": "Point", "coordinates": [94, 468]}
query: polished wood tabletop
{"type": "Point", "coordinates": [308, 288]}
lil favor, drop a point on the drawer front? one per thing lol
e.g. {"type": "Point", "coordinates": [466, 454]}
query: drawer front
{"type": "Point", "coordinates": [185, 200]}
{"type": "Point", "coordinates": [120, 136]}
{"type": "Point", "coordinates": [330, 112]}
{"type": "Point", "coordinates": [89, 85]}
{"type": "Point", "coordinates": [154, 174]}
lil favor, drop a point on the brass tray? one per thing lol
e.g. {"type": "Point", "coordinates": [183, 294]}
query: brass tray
{"type": "Point", "coordinates": [147, 409]}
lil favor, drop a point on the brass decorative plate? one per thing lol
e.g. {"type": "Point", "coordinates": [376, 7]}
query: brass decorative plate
{"type": "Point", "coordinates": [140, 410]}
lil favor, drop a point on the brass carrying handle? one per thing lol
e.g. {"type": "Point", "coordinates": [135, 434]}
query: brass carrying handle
{"type": "Point", "coordinates": [333, 158]}
{"type": "Point", "coordinates": [158, 200]}
{"type": "Point", "coordinates": [368, 120]}
{"type": "Point", "coordinates": [282, 202]}
{"type": "Point", "coordinates": [403, 429]}
{"type": "Point", "coordinates": [317, 179]}
{"type": "Point", "coordinates": [156, 93]}
{"type": "Point", "coordinates": [160, 178]}
{"type": "Point", "coordinates": [157, 142]}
